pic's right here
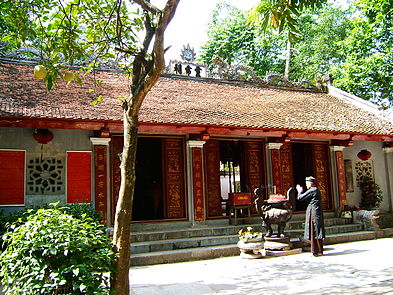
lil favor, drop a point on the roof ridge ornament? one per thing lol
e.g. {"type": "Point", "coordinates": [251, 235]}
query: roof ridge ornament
{"type": "Point", "coordinates": [225, 71]}
{"type": "Point", "coordinates": [25, 54]}
{"type": "Point", "coordinates": [188, 54]}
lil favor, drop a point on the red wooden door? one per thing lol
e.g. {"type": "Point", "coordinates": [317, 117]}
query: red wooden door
{"type": "Point", "coordinates": [175, 196]}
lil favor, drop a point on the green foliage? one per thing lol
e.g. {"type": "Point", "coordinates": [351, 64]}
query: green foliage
{"type": "Point", "coordinates": [55, 253]}
{"type": "Point", "coordinates": [368, 69]}
{"type": "Point", "coordinates": [282, 15]}
{"type": "Point", "coordinates": [18, 218]}
{"type": "Point", "coordinates": [355, 45]}
{"type": "Point", "coordinates": [237, 41]}
{"type": "Point", "coordinates": [371, 194]}
{"type": "Point", "coordinates": [69, 31]}
{"type": "Point", "coordinates": [319, 48]}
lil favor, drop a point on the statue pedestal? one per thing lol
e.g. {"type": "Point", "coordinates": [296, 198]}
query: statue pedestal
{"type": "Point", "coordinates": [277, 246]}
{"type": "Point", "coordinates": [277, 243]}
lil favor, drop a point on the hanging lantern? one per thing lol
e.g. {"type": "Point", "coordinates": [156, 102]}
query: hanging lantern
{"type": "Point", "coordinates": [364, 155]}
{"type": "Point", "coordinates": [42, 136]}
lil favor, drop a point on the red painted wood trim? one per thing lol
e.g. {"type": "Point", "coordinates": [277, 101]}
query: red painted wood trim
{"type": "Point", "coordinates": [146, 127]}
{"type": "Point", "coordinates": [322, 173]}
{"type": "Point", "coordinates": [100, 183]}
{"type": "Point", "coordinates": [276, 170]}
{"type": "Point", "coordinates": [342, 187]}
{"type": "Point", "coordinates": [197, 174]}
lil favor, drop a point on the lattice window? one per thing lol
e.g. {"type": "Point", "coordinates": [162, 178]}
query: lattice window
{"type": "Point", "coordinates": [45, 176]}
{"type": "Point", "coordinates": [364, 168]}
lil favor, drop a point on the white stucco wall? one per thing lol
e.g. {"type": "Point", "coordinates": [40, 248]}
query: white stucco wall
{"type": "Point", "coordinates": [380, 171]}
{"type": "Point", "coordinates": [63, 141]}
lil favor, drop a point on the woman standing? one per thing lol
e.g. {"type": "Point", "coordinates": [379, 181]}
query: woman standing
{"type": "Point", "coordinates": [314, 228]}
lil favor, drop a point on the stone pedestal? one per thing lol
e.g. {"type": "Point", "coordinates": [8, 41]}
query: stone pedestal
{"type": "Point", "coordinates": [278, 246]}
{"type": "Point", "coordinates": [277, 243]}
{"type": "Point", "coordinates": [250, 249]}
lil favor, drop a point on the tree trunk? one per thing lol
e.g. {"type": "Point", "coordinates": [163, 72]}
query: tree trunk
{"type": "Point", "coordinates": [145, 76]}
{"type": "Point", "coordinates": [288, 60]}
{"type": "Point", "coordinates": [122, 230]}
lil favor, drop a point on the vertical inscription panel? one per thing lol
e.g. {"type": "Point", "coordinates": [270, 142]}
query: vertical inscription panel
{"type": "Point", "coordinates": [197, 174]}
{"type": "Point", "coordinates": [321, 165]}
{"type": "Point", "coordinates": [286, 168]}
{"type": "Point", "coordinates": [116, 150]}
{"type": "Point", "coordinates": [342, 187]}
{"type": "Point", "coordinates": [276, 169]}
{"type": "Point", "coordinates": [254, 164]}
{"type": "Point", "coordinates": [174, 178]}
{"type": "Point", "coordinates": [212, 175]}
{"type": "Point", "coordinates": [100, 179]}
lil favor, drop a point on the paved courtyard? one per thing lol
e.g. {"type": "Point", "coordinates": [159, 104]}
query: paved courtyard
{"type": "Point", "coordinates": [364, 267]}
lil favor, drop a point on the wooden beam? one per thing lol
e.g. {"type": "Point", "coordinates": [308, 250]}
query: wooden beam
{"type": "Point", "coordinates": [144, 127]}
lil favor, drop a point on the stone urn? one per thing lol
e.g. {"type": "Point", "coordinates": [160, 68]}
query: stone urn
{"type": "Point", "coordinates": [250, 248]}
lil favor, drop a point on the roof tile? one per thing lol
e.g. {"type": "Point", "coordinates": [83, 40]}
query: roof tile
{"type": "Point", "coordinates": [186, 101]}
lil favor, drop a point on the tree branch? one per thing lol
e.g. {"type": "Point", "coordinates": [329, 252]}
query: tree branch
{"type": "Point", "coordinates": [152, 72]}
{"type": "Point", "coordinates": [148, 6]}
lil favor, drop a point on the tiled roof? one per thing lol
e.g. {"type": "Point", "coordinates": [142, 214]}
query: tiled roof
{"type": "Point", "coordinates": [187, 101]}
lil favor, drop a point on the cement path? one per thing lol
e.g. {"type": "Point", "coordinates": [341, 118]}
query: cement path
{"type": "Point", "coordinates": [364, 267]}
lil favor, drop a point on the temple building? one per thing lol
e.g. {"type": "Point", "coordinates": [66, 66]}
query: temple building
{"type": "Point", "coordinates": [200, 140]}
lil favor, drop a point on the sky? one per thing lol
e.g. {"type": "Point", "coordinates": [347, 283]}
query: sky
{"type": "Point", "coordinates": [190, 23]}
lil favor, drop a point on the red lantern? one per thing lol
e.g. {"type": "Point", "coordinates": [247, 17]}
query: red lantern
{"type": "Point", "coordinates": [364, 155]}
{"type": "Point", "coordinates": [42, 136]}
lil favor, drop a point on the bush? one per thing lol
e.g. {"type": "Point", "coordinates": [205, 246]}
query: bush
{"type": "Point", "coordinates": [371, 194]}
{"type": "Point", "coordinates": [55, 253]}
{"type": "Point", "coordinates": [19, 217]}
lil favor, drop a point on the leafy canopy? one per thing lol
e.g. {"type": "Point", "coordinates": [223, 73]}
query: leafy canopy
{"type": "Point", "coordinates": [236, 40]}
{"type": "Point", "coordinates": [368, 69]}
{"type": "Point", "coordinates": [77, 31]}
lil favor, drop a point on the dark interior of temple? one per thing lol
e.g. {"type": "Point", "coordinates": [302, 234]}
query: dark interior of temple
{"type": "Point", "coordinates": [302, 167]}
{"type": "Point", "coordinates": [148, 197]}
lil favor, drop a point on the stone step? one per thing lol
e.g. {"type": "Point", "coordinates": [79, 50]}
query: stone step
{"type": "Point", "coordinates": [184, 243]}
{"type": "Point", "coordinates": [209, 252]}
{"type": "Point", "coordinates": [214, 240]}
{"type": "Point", "coordinates": [180, 233]}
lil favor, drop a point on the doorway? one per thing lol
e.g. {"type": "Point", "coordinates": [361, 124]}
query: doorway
{"type": "Point", "coordinates": [303, 166]}
{"type": "Point", "coordinates": [148, 198]}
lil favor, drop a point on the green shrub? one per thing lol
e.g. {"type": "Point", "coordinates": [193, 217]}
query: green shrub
{"type": "Point", "coordinates": [77, 210]}
{"type": "Point", "coordinates": [371, 194]}
{"type": "Point", "coordinates": [19, 217]}
{"type": "Point", "coordinates": [55, 253]}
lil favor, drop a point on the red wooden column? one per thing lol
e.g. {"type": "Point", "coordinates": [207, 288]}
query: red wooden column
{"type": "Point", "coordinates": [195, 148]}
{"type": "Point", "coordinates": [101, 175]}
{"type": "Point", "coordinates": [342, 188]}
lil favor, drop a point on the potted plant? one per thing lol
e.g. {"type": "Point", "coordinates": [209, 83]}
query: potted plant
{"type": "Point", "coordinates": [250, 243]}
{"type": "Point", "coordinates": [371, 194]}
{"type": "Point", "coordinates": [371, 199]}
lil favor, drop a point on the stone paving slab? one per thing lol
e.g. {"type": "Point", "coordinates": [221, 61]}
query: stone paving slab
{"type": "Point", "coordinates": [363, 267]}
